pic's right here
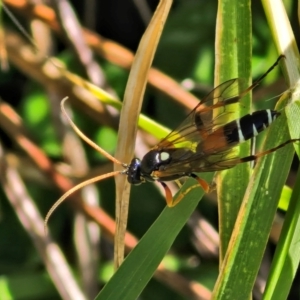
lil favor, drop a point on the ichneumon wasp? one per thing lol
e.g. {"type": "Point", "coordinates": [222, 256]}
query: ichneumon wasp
{"type": "Point", "coordinates": [201, 143]}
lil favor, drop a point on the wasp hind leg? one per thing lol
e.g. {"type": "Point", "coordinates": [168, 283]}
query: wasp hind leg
{"type": "Point", "coordinates": [172, 202]}
{"type": "Point", "coordinates": [261, 154]}
{"type": "Point", "coordinates": [169, 197]}
{"type": "Point", "coordinates": [205, 186]}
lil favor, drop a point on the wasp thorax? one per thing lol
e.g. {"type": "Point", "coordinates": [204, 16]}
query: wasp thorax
{"type": "Point", "coordinates": [153, 160]}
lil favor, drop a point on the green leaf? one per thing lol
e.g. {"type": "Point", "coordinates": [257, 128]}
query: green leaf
{"type": "Point", "coordinates": [285, 197]}
{"type": "Point", "coordinates": [233, 48]}
{"type": "Point", "coordinates": [254, 222]}
{"type": "Point", "coordinates": [287, 256]}
{"type": "Point", "coordinates": [139, 266]}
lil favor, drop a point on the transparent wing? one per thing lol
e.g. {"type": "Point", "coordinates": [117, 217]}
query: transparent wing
{"type": "Point", "coordinates": [198, 144]}
{"type": "Point", "coordinates": [200, 122]}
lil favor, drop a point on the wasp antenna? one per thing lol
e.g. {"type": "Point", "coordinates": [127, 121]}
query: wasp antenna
{"type": "Point", "coordinates": [84, 137]}
{"type": "Point", "coordinates": [74, 189]}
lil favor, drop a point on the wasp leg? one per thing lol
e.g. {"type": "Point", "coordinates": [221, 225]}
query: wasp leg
{"type": "Point", "coordinates": [172, 202]}
{"type": "Point", "coordinates": [258, 155]}
{"type": "Point", "coordinates": [202, 183]}
{"type": "Point", "coordinates": [178, 183]}
{"type": "Point", "coordinates": [169, 197]}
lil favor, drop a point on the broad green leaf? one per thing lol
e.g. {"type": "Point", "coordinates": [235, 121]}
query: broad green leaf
{"type": "Point", "coordinates": [253, 225]}
{"type": "Point", "coordinates": [139, 266]}
{"type": "Point", "coordinates": [233, 59]}
{"type": "Point", "coordinates": [287, 256]}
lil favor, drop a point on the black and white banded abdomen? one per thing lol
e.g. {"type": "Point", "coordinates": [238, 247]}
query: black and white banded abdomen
{"type": "Point", "coordinates": [249, 126]}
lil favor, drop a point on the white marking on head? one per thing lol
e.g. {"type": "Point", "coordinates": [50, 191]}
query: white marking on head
{"type": "Point", "coordinates": [164, 156]}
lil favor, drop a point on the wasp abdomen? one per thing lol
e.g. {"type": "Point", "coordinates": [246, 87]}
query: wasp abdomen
{"type": "Point", "coordinates": [249, 126]}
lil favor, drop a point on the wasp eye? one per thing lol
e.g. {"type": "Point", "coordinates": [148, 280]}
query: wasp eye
{"type": "Point", "coordinates": [134, 172]}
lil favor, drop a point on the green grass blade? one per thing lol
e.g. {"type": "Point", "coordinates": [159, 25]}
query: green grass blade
{"type": "Point", "coordinates": [287, 255]}
{"type": "Point", "coordinates": [233, 48]}
{"type": "Point", "coordinates": [145, 123]}
{"type": "Point", "coordinates": [251, 231]}
{"type": "Point", "coordinates": [140, 265]}
{"type": "Point", "coordinates": [283, 38]}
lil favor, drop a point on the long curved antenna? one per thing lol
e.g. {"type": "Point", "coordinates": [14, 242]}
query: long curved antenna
{"type": "Point", "coordinates": [74, 189]}
{"type": "Point", "coordinates": [85, 138]}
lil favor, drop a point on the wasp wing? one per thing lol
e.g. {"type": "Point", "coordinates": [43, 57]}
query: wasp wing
{"type": "Point", "coordinates": [198, 144]}
{"type": "Point", "coordinates": [200, 122]}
